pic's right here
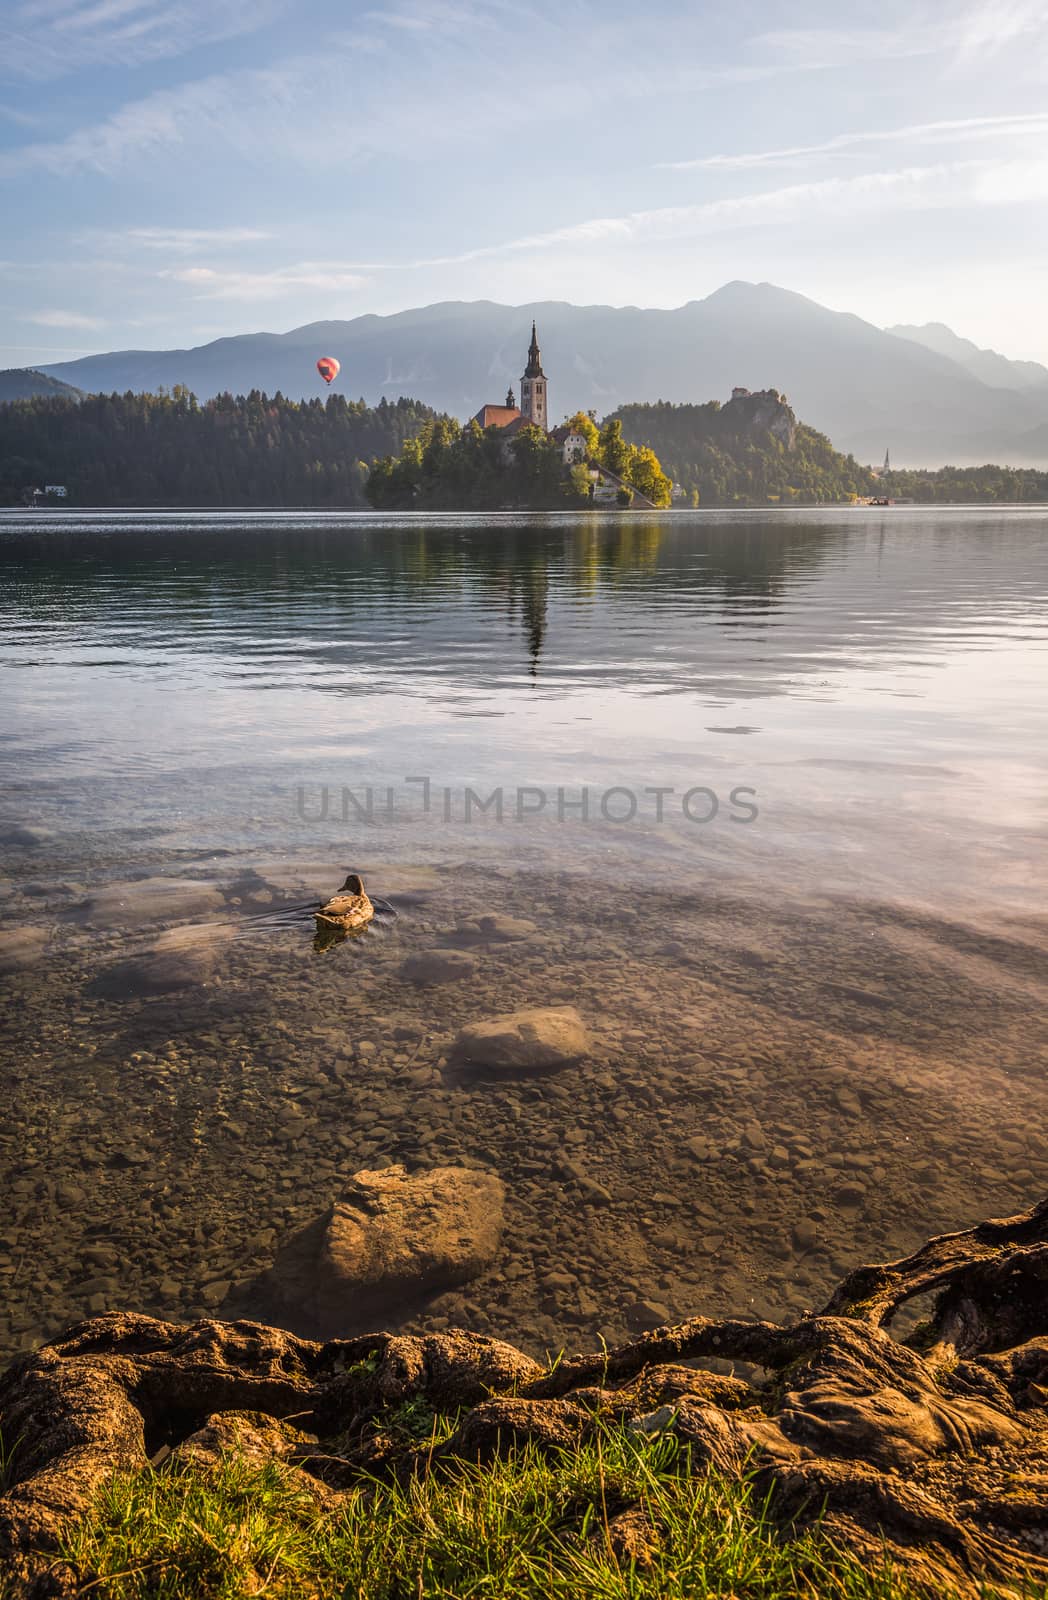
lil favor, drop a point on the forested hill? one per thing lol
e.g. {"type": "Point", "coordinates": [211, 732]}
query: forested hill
{"type": "Point", "coordinates": [142, 449]}
{"type": "Point", "coordinates": [751, 451]}
{"type": "Point", "coordinates": [24, 383]}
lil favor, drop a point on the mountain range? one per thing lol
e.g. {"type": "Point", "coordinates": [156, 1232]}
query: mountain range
{"type": "Point", "coordinates": [926, 394]}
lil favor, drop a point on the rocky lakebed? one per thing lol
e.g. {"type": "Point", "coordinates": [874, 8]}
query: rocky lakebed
{"type": "Point", "coordinates": [640, 1100]}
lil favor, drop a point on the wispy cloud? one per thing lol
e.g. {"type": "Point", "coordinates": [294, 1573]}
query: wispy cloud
{"type": "Point", "coordinates": [958, 130]}
{"type": "Point", "coordinates": [971, 184]}
{"type": "Point", "coordinates": [849, 47]}
{"type": "Point", "coordinates": [188, 240]}
{"type": "Point", "coordinates": [963, 35]}
{"type": "Point", "coordinates": [429, 16]}
{"type": "Point", "coordinates": [222, 110]}
{"type": "Point", "coordinates": [21, 119]}
{"type": "Point", "coordinates": [63, 319]}
{"type": "Point", "coordinates": [211, 284]}
{"type": "Point", "coordinates": [52, 349]}
{"type": "Point", "coordinates": [426, 73]}
{"type": "Point", "coordinates": [992, 25]}
{"type": "Point", "coordinates": [967, 184]}
{"type": "Point", "coordinates": [40, 40]}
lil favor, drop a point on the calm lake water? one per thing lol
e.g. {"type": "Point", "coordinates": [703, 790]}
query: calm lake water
{"type": "Point", "coordinates": [769, 788]}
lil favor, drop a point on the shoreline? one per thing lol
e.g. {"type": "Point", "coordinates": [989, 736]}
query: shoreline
{"type": "Point", "coordinates": [368, 513]}
{"type": "Point", "coordinates": [902, 1451]}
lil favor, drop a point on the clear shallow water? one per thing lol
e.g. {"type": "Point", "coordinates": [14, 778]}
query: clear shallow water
{"type": "Point", "coordinates": [833, 987]}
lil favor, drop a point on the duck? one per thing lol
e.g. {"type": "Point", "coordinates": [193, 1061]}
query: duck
{"type": "Point", "coordinates": [348, 911]}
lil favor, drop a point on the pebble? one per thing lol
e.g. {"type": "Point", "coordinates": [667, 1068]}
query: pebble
{"type": "Point", "coordinates": [644, 1315]}
{"type": "Point", "coordinates": [590, 1188]}
{"type": "Point", "coordinates": [805, 1234]}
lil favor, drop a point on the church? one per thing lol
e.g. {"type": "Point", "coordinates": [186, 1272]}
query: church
{"type": "Point", "coordinates": [533, 411]}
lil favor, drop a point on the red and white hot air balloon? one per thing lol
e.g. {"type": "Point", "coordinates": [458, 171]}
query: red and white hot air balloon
{"type": "Point", "coordinates": [328, 368]}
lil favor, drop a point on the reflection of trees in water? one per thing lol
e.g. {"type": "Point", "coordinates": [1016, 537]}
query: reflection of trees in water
{"type": "Point", "coordinates": [353, 581]}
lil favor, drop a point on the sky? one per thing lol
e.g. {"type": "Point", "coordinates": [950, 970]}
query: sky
{"type": "Point", "coordinates": [172, 171]}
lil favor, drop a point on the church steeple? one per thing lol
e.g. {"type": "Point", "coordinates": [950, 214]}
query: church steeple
{"type": "Point", "coordinates": [534, 366]}
{"type": "Point", "coordinates": [533, 399]}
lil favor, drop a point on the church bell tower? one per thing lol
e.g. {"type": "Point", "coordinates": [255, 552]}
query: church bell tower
{"type": "Point", "coordinates": [533, 387]}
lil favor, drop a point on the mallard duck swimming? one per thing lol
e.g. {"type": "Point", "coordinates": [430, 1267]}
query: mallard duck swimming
{"type": "Point", "coordinates": [348, 911]}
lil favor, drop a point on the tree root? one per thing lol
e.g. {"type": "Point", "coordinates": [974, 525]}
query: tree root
{"type": "Point", "coordinates": [908, 1450]}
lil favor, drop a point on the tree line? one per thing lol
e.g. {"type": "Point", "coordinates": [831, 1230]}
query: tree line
{"type": "Point", "coordinates": [452, 467]}
{"type": "Point", "coordinates": [987, 485]}
{"type": "Point", "coordinates": [260, 450]}
{"type": "Point", "coordinates": [168, 449]}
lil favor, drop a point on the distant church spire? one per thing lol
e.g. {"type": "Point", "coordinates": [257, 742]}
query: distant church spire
{"type": "Point", "coordinates": [511, 399]}
{"type": "Point", "coordinates": [533, 399]}
{"type": "Point", "coordinates": [887, 464]}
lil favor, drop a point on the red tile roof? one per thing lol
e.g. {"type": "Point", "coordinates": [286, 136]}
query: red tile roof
{"type": "Point", "coordinates": [496, 416]}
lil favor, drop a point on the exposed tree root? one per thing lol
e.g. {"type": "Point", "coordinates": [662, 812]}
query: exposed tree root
{"type": "Point", "coordinates": [932, 1451]}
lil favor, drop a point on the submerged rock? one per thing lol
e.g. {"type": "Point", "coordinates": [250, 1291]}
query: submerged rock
{"type": "Point", "coordinates": [20, 836]}
{"type": "Point", "coordinates": [495, 929]}
{"type": "Point", "coordinates": [152, 900]}
{"type": "Point", "coordinates": [21, 948]}
{"type": "Point", "coordinates": [539, 1039]}
{"type": "Point", "coordinates": [179, 958]}
{"type": "Point", "coordinates": [438, 966]}
{"type": "Point", "coordinates": [390, 1239]}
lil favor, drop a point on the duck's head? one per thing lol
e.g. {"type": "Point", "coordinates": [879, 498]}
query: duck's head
{"type": "Point", "coordinates": [354, 884]}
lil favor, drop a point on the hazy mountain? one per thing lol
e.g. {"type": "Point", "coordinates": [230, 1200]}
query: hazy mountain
{"type": "Point", "coordinates": [867, 389]}
{"type": "Point", "coordinates": [987, 365]}
{"type": "Point", "coordinates": [22, 383]}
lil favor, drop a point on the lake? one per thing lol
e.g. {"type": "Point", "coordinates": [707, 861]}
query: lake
{"type": "Point", "coordinates": [762, 795]}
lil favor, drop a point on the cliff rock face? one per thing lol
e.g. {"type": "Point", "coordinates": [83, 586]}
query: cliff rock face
{"type": "Point", "coordinates": [766, 411]}
{"type": "Point", "coordinates": [929, 1452]}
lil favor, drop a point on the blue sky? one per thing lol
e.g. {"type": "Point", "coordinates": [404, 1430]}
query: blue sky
{"type": "Point", "coordinates": [174, 170]}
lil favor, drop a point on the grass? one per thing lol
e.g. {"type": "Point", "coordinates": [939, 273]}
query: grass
{"type": "Point", "coordinates": [530, 1525]}
{"type": "Point", "coordinates": [8, 1452]}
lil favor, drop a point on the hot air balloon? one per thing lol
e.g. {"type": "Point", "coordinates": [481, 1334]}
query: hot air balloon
{"type": "Point", "coordinates": [327, 366]}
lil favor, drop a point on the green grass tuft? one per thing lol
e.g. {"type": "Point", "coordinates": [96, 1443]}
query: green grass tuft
{"type": "Point", "coordinates": [529, 1525]}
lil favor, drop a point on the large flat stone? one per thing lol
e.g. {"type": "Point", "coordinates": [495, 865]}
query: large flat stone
{"type": "Point", "coordinates": [152, 900]}
{"type": "Point", "coordinates": [494, 929]}
{"type": "Point", "coordinates": [540, 1039]}
{"type": "Point", "coordinates": [389, 1240]}
{"type": "Point", "coordinates": [178, 958]}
